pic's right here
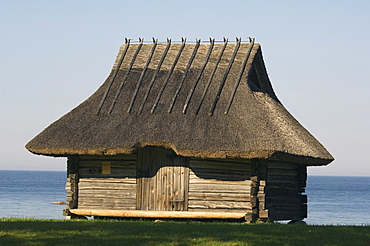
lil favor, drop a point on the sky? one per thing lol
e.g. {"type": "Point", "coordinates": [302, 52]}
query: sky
{"type": "Point", "coordinates": [55, 54]}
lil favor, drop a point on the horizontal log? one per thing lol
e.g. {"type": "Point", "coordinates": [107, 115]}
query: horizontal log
{"type": "Point", "coordinates": [283, 172]}
{"type": "Point", "coordinates": [288, 210]}
{"type": "Point", "coordinates": [264, 213]}
{"type": "Point", "coordinates": [206, 210]}
{"type": "Point", "coordinates": [219, 196]}
{"type": "Point", "coordinates": [282, 179]}
{"type": "Point", "coordinates": [108, 157]}
{"type": "Point", "coordinates": [116, 193]}
{"type": "Point", "coordinates": [128, 207]}
{"type": "Point", "coordinates": [109, 180]}
{"type": "Point", "coordinates": [221, 177]}
{"type": "Point", "coordinates": [107, 186]}
{"type": "Point", "coordinates": [103, 198]}
{"type": "Point", "coordinates": [96, 172]}
{"type": "Point", "coordinates": [281, 165]}
{"type": "Point", "coordinates": [271, 202]}
{"type": "Point", "coordinates": [286, 186]}
{"type": "Point", "coordinates": [220, 172]}
{"type": "Point", "coordinates": [119, 165]}
{"type": "Point", "coordinates": [158, 214]}
{"type": "Point", "coordinates": [212, 189]}
{"type": "Point", "coordinates": [108, 206]}
{"type": "Point", "coordinates": [279, 192]}
{"type": "Point", "coordinates": [239, 167]}
{"type": "Point", "coordinates": [222, 161]}
{"type": "Point", "coordinates": [230, 167]}
{"type": "Point", "coordinates": [105, 203]}
{"type": "Point", "coordinates": [280, 216]}
{"type": "Point", "coordinates": [217, 205]}
{"type": "Point", "coordinates": [193, 179]}
{"type": "Point", "coordinates": [107, 200]}
{"type": "Point", "coordinates": [225, 191]}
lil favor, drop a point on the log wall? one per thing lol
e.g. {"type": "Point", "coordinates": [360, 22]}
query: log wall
{"type": "Point", "coordinates": [107, 182]}
{"type": "Point", "coordinates": [281, 192]}
{"type": "Point", "coordinates": [266, 189]}
{"type": "Point", "coordinates": [71, 185]}
{"type": "Point", "coordinates": [219, 185]}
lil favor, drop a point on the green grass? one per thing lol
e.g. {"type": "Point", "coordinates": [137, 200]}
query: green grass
{"type": "Point", "coordinates": [98, 232]}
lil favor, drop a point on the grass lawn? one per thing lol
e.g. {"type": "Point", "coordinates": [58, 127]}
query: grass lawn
{"type": "Point", "coordinates": [97, 232]}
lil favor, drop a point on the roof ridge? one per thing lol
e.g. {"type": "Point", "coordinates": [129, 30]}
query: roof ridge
{"type": "Point", "coordinates": [154, 40]}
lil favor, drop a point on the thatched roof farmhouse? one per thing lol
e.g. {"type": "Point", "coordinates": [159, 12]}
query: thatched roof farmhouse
{"type": "Point", "coordinates": [207, 103]}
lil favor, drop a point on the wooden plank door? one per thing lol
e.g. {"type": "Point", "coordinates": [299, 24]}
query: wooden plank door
{"type": "Point", "coordinates": [162, 180]}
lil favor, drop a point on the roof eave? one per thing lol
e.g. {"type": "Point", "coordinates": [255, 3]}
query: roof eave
{"type": "Point", "coordinates": [265, 154]}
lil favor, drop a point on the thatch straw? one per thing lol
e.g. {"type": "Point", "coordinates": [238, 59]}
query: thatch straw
{"type": "Point", "coordinates": [256, 126]}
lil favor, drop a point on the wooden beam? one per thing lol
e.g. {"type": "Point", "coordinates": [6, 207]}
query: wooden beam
{"type": "Point", "coordinates": [158, 214]}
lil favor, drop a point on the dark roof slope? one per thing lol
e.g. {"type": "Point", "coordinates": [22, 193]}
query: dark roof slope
{"type": "Point", "coordinates": [211, 100]}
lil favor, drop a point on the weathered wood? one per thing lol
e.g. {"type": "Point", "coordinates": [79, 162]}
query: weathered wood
{"type": "Point", "coordinates": [283, 172]}
{"type": "Point", "coordinates": [282, 165]}
{"type": "Point", "coordinates": [219, 196]}
{"type": "Point", "coordinates": [163, 180]}
{"type": "Point", "coordinates": [282, 202]}
{"type": "Point", "coordinates": [107, 186]}
{"type": "Point", "coordinates": [227, 187]}
{"type": "Point", "coordinates": [218, 204]}
{"type": "Point", "coordinates": [111, 202]}
{"type": "Point", "coordinates": [108, 157]}
{"type": "Point", "coordinates": [279, 192]}
{"type": "Point", "coordinates": [73, 180]}
{"type": "Point", "coordinates": [118, 169]}
{"type": "Point", "coordinates": [197, 180]}
{"type": "Point", "coordinates": [221, 176]}
{"type": "Point", "coordinates": [154, 161]}
{"type": "Point", "coordinates": [170, 189]}
{"type": "Point", "coordinates": [287, 213]}
{"type": "Point", "coordinates": [213, 164]}
{"type": "Point", "coordinates": [254, 187]}
{"type": "Point", "coordinates": [186, 182]}
{"type": "Point", "coordinates": [119, 164]}
{"type": "Point", "coordinates": [283, 179]}
{"type": "Point", "coordinates": [112, 193]}
{"type": "Point", "coordinates": [219, 185]}
{"type": "Point", "coordinates": [302, 175]}
{"type": "Point", "coordinates": [264, 213]}
{"type": "Point", "coordinates": [203, 172]}
{"type": "Point", "coordinates": [222, 210]}
{"type": "Point", "coordinates": [107, 206]}
{"type": "Point", "coordinates": [280, 195]}
{"type": "Point", "coordinates": [109, 180]}
{"type": "Point", "coordinates": [251, 216]}
{"type": "Point", "coordinates": [139, 180]}
{"type": "Point", "coordinates": [107, 200]}
{"type": "Point", "coordinates": [262, 169]}
{"type": "Point", "coordinates": [181, 182]}
{"type": "Point", "coordinates": [158, 214]}
{"type": "Point", "coordinates": [72, 164]}
{"type": "Point", "coordinates": [107, 193]}
{"type": "Point", "coordinates": [271, 198]}
{"type": "Point", "coordinates": [226, 160]}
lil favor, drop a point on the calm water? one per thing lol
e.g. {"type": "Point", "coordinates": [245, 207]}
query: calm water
{"type": "Point", "coordinates": [331, 200]}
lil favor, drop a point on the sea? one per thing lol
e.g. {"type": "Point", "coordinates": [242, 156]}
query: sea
{"type": "Point", "coordinates": [332, 200]}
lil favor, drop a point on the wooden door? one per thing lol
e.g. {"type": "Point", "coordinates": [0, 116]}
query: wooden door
{"type": "Point", "coordinates": [162, 180]}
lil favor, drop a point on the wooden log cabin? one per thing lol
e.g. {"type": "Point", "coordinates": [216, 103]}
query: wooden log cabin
{"type": "Point", "coordinates": [184, 130]}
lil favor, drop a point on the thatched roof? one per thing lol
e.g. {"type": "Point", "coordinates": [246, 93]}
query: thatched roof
{"type": "Point", "coordinates": [209, 99]}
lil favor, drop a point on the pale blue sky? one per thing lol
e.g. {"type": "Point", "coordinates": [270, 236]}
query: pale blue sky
{"type": "Point", "coordinates": [54, 54]}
